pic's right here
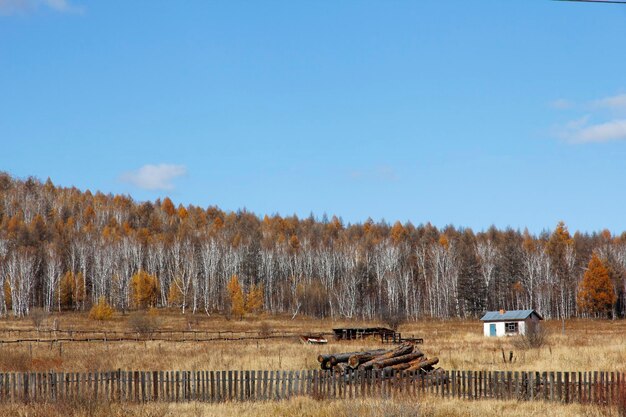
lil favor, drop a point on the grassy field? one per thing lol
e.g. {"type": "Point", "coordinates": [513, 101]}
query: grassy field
{"type": "Point", "coordinates": [585, 345]}
{"type": "Point", "coordinates": [306, 407]}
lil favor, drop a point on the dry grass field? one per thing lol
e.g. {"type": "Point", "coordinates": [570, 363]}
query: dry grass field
{"type": "Point", "coordinates": [306, 407]}
{"type": "Point", "coordinates": [586, 345]}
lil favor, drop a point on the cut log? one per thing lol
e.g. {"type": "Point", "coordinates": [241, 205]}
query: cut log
{"type": "Point", "coordinates": [323, 358]}
{"type": "Point", "coordinates": [398, 367]}
{"type": "Point", "coordinates": [383, 363]}
{"type": "Point", "coordinates": [328, 360]}
{"type": "Point", "coordinates": [403, 349]}
{"type": "Point", "coordinates": [341, 368]}
{"type": "Point", "coordinates": [336, 358]}
{"type": "Point", "coordinates": [424, 365]}
{"type": "Point", "coordinates": [417, 361]}
{"type": "Point", "coordinates": [355, 360]}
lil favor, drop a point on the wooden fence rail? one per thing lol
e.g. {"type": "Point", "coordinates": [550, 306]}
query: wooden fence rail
{"type": "Point", "coordinates": [142, 338]}
{"type": "Point", "coordinates": [16, 336]}
{"type": "Point", "coordinates": [218, 386]}
{"type": "Point", "coordinates": [158, 331]}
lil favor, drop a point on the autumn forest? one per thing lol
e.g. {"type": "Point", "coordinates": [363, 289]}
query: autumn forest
{"type": "Point", "coordinates": [64, 249]}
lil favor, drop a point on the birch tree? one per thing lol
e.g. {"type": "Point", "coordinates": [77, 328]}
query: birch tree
{"type": "Point", "coordinates": [51, 279]}
{"type": "Point", "coordinates": [21, 267]}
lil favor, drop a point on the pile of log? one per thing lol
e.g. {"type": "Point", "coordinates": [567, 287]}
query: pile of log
{"type": "Point", "coordinates": [403, 358]}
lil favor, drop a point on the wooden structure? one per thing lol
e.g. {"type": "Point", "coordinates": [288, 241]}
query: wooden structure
{"type": "Point", "coordinates": [405, 357]}
{"type": "Point", "coordinates": [313, 339]}
{"type": "Point", "coordinates": [12, 336]}
{"type": "Point", "coordinates": [398, 338]}
{"type": "Point", "coordinates": [218, 386]}
{"type": "Point", "coordinates": [386, 335]}
{"type": "Point", "coordinates": [509, 323]}
{"type": "Point", "coordinates": [351, 333]}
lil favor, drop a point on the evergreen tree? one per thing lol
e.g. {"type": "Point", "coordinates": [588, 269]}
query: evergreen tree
{"type": "Point", "coordinates": [235, 294]}
{"type": "Point", "coordinates": [595, 294]}
{"type": "Point", "coordinates": [145, 289]}
{"type": "Point", "coordinates": [254, 299]}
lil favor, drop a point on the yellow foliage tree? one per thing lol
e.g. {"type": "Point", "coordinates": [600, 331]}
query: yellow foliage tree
{"type": "Point", "coordinates": [182, 212]}
{"type": "Point", "coordinates": [71, 290]}
{"type": "Point", "coordinates": [595, 294]}
{"type": "Point", "coordinates": [235, 295]}
{"type": "Point", "coordinates": [254, 299]}
{"type": "Point", "coordinates": [174, 295]}
{"type": "Point", "coordinates": [168, 207]}
{"type": "Point", "coordinates": [398, 233]}
{"type": "Point", "coordinates": [8, 300]}
{"type": "Point", "coordinates": [294, 243]}
{"type": "Point", "coordinates": [101, 310]}
{"type": "Point", "coordinates": [145, 289]}
{"type": "Point", "coordinates": [443, 241]}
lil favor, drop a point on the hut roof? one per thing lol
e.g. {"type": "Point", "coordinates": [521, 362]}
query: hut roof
{"type": "Point", "coordinates": [509, 315]}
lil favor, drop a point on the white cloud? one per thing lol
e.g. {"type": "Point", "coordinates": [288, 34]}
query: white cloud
{"type": "Point", "coordinates": [155, 177]}
{"type": "Point", "coordinates": [9, 7]}
{"type": "Point", "coordinates": [603, 132]}
{"type": "Point", "coordinates": [612, 128]}
{"type": "Point", "coordinates": [562, 104]}
{"type": "Point", "coordinates": [378, 173]}
{"type": "Point", "coordinates": [614, 103]}
{"type": "Point", "coordinates": [580, 131]}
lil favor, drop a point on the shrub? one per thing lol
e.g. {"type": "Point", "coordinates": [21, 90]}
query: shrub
{"type": "Point", "coordinates": [37, 317]}
{"type": "Point", "coordinates": [101, 310]}
{"type": "Point", "coordinates": [144, 323]}
{"type": "Point", "coordinates": [535, 337]}
{"type": "Point", "coordinates": [265, 329]}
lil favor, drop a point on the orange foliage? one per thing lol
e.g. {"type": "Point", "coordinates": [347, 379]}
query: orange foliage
{"type": "Point", "coordinates": [101, 310]}
{"type": "Point", "coordinates": [595, 294]}
{"type": "Point", "coordinates": [168, 207]}
{"type": "Point", "coordinates": [72, 290]}
{"type": "Point", "coordinates": [254, 299]}
{"type": "Point", "coordinates": [182, 212]}
{"type": "Point", "coordinates": [235, 295]}
{"type": "Point", "coordinates": [398, 233]}
{"type": "Point", "coordinates": [145, 289]}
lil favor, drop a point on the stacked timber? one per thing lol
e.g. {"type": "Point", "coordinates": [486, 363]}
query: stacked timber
{"type": "Point", "coordinates": [403, 358]}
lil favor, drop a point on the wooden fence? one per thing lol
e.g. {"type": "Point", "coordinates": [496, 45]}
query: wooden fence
{"type": "Point", "coordinates": [206, 333]}
{"type": "Point", "coordinates": [52, 336]}
{"type": "Point", "coordinates": [218, 386]}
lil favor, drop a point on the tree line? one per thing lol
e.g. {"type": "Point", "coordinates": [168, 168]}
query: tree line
{"type": "Point", "coordinates": [62, 248]}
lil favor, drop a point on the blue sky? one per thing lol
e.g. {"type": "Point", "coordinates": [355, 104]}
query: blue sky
{"type": "Point", "coordinates": [472, 113]}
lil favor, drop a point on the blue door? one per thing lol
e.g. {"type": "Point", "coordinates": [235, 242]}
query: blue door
{"type": "Point", "coordinates": [492, 329]}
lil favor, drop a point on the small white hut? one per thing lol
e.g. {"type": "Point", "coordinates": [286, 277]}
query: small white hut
{"type": "Point", "coordinates": [509, 323]}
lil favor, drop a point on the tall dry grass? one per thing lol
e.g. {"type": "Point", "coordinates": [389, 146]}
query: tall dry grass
{"type": "Point", "coordinates": [586, 345]}
{"type": "Point", "coordinates": [306, 407]}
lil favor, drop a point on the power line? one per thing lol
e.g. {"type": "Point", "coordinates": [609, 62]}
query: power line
{"type": "Point", "coordinates": [596, 1]}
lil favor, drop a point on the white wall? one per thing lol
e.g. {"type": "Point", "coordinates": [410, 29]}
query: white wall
{"type": "Point", "coordinates": [501, 328]}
